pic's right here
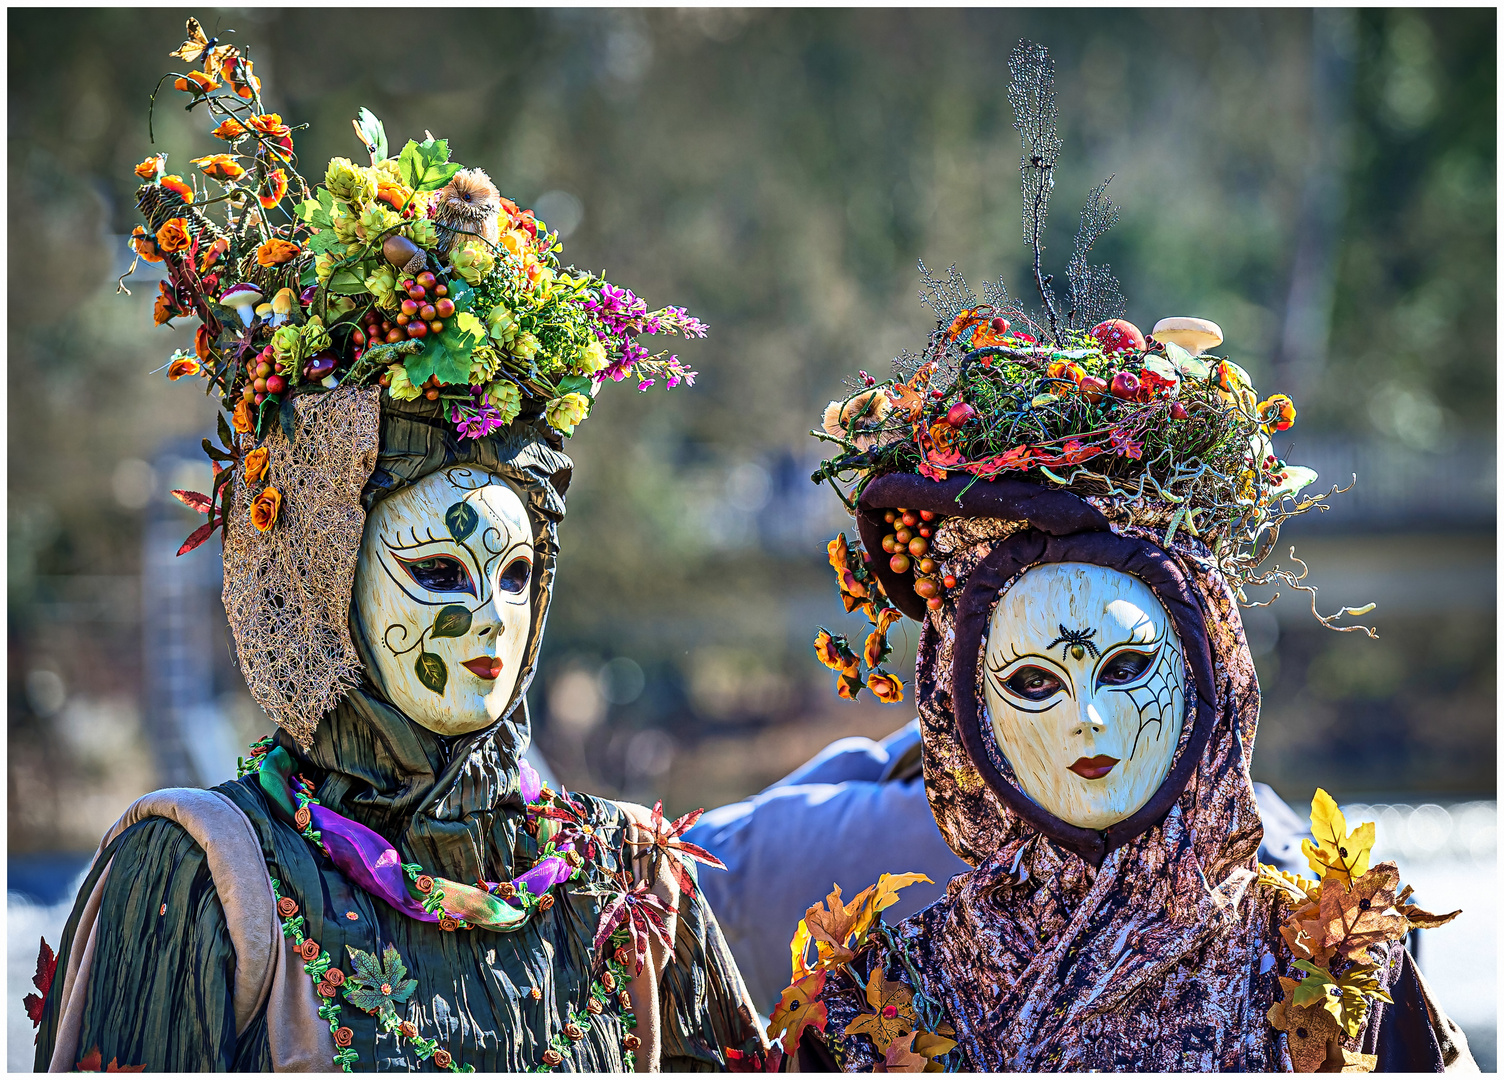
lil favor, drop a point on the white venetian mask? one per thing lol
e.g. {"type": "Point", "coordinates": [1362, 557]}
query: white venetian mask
{"type": "Point", "coordinates": [443, 588]}
{"type": "Point", "coordinates": [1084, 688]}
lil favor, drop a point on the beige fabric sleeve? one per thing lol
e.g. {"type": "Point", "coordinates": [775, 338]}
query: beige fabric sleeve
{"type": "Point", "coordinates": [266, 973]}
{"type": "Point", "coordinates": [1455, 1055]}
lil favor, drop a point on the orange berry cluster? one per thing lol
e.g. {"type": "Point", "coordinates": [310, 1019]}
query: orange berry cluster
{"type": "Point", "coordinates": [908, 548]}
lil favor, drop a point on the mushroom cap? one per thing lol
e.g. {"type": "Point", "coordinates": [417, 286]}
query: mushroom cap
{"type": "Point", "coordinates": [284, 302]}
{"type": "Point", "coordinates": [1193, 335]}
{"type": "Point", "coordinates": [241, 295]}
{"type": "Point", "coordinates": [263, 309]}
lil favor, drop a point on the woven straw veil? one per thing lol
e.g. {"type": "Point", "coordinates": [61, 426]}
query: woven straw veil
{"type": "Point", "coordinates": [287, 590]}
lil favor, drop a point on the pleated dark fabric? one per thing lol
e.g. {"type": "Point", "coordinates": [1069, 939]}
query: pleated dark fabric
{"type": "Point", "coordinates": [159, 991]}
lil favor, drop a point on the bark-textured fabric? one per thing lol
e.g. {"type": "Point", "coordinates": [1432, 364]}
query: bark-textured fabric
{"type": "Point", "coordinates": [1143, 948]}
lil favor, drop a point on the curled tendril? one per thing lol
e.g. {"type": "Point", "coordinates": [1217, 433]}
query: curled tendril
{"type": "Point", "coordinates": [1296, 581]}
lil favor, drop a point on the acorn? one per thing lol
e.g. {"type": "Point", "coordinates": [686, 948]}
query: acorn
{"type": "Point", "coordinates": [399, 250]}
{"type": "Point", "coordinates": [320, 366]}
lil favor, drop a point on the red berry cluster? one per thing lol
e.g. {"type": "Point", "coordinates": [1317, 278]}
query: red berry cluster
{"type": "Point", "coordinates": [264, 376]}
{"type": "Point", "coordinates": [423, 311]}
{"type": "Point", "coordinates": [908, 546]}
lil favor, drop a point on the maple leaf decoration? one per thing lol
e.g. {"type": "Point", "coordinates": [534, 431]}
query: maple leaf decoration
{"type": "Point", "coordinates": [1422, 920]}
{"type": "Point", "coordinates": [894, 1017]}
{"type": "Point", "coordinates": [1336, 850]}
{"type": "Point", "coordinates": [91, 1063]}
{"type": "Point", "coordinates": [1364, 913]}
{"type": "Point", "coordinates": [42, 980]}
{"type": "Point", "coordinates": [665, 839]}
{"type": "Point", "coordinates": [799, 1007]}
{"type": "Point", "coordinates": [642, 913]}
{"type": "Point", "coordinates": [377, 985]}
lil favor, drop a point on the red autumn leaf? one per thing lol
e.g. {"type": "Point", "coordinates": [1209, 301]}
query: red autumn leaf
{"type": "Point", "coordinates": [91, 1062]}
{"type": "Point", "coordinates": [199, 535]}
{"type": "Point", "coordinates": [193, 500]}
{"type": "Point", "coordinates": [42, 980]}
{"type": "Point", "coordinates": [665, 840]}
{"type": "Point", "coordinates": [757, 1061]}
{"type": "Point", "coordinates": [641, 912]}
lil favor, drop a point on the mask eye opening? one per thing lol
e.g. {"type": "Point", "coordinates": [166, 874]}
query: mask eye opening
{"type": "Point", "coordinates": [515, 578]}
{"type": "Point", "coordinates": [1126, 666]}
{"type": "Point", "coordinates": [438, 573]}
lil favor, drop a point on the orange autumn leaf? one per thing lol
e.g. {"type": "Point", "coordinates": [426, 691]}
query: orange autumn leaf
{"type": "Point", "coordinates": [1309, 1028]}
{"type": "Point", "coordinates": [1362, 914]}
{"type": "Point", "coordinates": [834, 922]}
{"type": "Point", "coordinates": [894, 1016]}
{"type": "Point", "coordinates": [901, 1056]}
{"type": "Point", "coordinates": [798, 1007]}
{"type": "Point", "coordinates": [173, 235]}
{"type": "Point", "coordinates": [885, 892]}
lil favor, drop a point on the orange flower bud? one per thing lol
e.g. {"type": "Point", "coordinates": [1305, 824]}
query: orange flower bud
{"type": "Point", "coordinates": [275, 252]}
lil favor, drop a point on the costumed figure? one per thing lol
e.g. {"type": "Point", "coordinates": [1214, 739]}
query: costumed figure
{"type": "Point", "coordinates": [387, 885]}
{"type": "Point", "coordinates": [1071, 510]}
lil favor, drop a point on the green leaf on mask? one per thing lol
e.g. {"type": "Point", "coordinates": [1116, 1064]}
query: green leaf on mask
{"type": "Point", "coordinates": [452, 621]}
{"type": "Point", "coordinates": [461, 519]}
{"type": "Point", "coordinates": [432, 672]}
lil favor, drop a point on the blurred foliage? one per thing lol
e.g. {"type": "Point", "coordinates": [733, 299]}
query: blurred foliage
{"type": "Point", "coordinates": [779, 172]}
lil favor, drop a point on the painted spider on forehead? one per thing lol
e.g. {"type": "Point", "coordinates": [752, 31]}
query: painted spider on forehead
{"type": "Point", "coordinates": [1077, 641]}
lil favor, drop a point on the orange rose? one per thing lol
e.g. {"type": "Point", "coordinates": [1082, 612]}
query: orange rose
{"type": "Point", "coordinates": [442, 1058]}
{"type": "Point", "coordinates": [149, 169]}
{"type": "Point", "coordinates": [343, 1037]}
{"type": "Point", "coordinates": [221, 167]}
{"type": "Point", "coordinates": [230, 130]}
{"type": "Point", "coordinates": [334, 977]}
{"type": "Point", "coordinates": [241, 418]}
{"type": "Point", "coordinates": [394, 195]}
{"type": "Point", "coordinates": [275, 252]}
{"type": "Point", "coordinates": [195, 82]}
{"type": "Point", "coordinates": [145, 244]}
{"type": "Point", "coordinates": [546, 902]}
{"type": "Point", "coordinates": [630, 1041]}
{"type": "Point", "coordinates": [166, 307]}
{"type": "Point", "coordinates": [255, 464]}
{"type": "Point", "coordinates": [303, 818]}
{"type": "Point", "coordinates": [287, 907]}
{"type": "Point", "coordinates": [423, 883]}
{"type": "Point", "coordinates": [268, 124]}
{"type": "Point", "coordinates": [408, 1028]}
{"type": "Point", "coordinates": [1277, 413]}
{"type": "Point", "coordinates": [265, 508]}
{"type": "Point", "coordinates": [273, 188]}
{"type": "Point", "coordinates": [241, 76]}
{"type": "Point", "coordinates": [173, 236]}
{"type": "Point", "coordinates": [211, 256]}
{"type": "Point", "coordinates": [309, 950]}
{"type": "Point", "coordinates": [885, 687]}
{"type": "Point", "coordinates": [179, 185]}
{"type": "Point", "coordinates": [183, 365]}
{"type": "Point", "coordinates": [203, 344]}
{"type": "Point", "coordinates": [448, 925]}
{"type": "Point", "coordinates": [552, 1057]}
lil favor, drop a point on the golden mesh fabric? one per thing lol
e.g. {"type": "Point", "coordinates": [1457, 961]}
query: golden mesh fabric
{"type": "Point", "coordinates": [287, 590]}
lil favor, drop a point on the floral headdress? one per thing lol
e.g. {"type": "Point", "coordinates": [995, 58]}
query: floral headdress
{"type": "Point", "coordinates": [325, 308]}
{"type": "Point", "coordinates": [1071, 396]}
{"type": "Point", "coordinates": [412, 273]}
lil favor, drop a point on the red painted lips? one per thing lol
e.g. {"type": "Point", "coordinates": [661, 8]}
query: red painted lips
{"type": "Point", "coordinates": [1094, 768]}
{"type": "Point", "coordinates": [487, 667]}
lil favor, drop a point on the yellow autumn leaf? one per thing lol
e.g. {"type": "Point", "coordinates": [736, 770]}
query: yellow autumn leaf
{"type": "Point", "coordinates": [1336, 851]}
